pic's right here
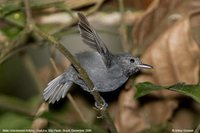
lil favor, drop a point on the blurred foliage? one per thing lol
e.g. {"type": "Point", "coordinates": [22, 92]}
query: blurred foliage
{"type": "Point", "coordinates": [164, 33]}
{"type": "Point", "coordinates": [164, 128]}
{"type": "Point", "coordinates": [54, 121]}
{"type": "Point", "coordinates": [14, 121]}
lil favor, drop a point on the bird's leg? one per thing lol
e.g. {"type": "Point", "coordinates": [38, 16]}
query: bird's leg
{"type": "Point", "coordinates": [102, 106]}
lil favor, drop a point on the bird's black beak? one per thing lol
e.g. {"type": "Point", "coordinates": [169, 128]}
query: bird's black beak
{"type": "Point", "coordinates": [144, 66]}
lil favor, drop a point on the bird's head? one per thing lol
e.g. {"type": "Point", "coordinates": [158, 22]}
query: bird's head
{"type": "Point", "coordinates": [130, 64]}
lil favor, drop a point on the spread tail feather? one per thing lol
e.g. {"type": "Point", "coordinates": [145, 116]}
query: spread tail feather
{"type": "Point", "coordinates": [56, 89]}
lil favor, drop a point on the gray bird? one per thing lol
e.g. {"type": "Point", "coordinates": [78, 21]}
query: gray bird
{"type": "Point", "coordinates": [106, 70]}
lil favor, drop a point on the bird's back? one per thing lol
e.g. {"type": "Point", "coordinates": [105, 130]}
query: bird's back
{"type": "Point", "coordinates": [104, 79]}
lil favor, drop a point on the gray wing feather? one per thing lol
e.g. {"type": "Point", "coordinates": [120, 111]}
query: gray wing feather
{"type": "Point", "coordinates": [59, 86]}
{"type": "Point", "coordinates": [92, 39]}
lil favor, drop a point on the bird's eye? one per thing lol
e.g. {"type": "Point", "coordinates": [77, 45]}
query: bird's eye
{"type": "Point", "coordinates": [132, 60]}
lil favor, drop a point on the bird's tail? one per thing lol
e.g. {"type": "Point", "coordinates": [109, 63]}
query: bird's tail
{"type": "Point", "coordinates": [57, 88]}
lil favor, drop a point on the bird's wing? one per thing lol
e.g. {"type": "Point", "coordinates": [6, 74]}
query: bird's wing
{"type": "Point", "coordinates": [92, 39]}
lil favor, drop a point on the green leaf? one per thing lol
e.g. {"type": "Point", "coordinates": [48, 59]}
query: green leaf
{"type": "Point", "coordinates": [189, 90]}
{"type": "Point", "coordinates": [146, 88]}
{"type": "Point", "coordinates": [192, 91]}
{"type": "Point", "coordinates": [10, 32]}
{"type": "Point", "coordinates": [18, 18]}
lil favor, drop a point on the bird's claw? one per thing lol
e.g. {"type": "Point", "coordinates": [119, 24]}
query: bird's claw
{"type": "Point", "coordinates": [102, 106]}
{"type": "Point", "coordinates": [93, 89]}
{"type": "Point", "coordinates": [100, 117]}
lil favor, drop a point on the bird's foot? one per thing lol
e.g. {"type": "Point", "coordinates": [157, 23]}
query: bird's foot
{"type": "Point", "coordinates": [93, 89]}
{"type": "Point", "coordinates": [100, 117]}
{"type": "Point", "coordinates": [102, 106]}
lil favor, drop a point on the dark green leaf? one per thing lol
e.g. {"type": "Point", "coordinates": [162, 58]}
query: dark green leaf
{"type": "Point", "coordinates": [10, 32]}
{"type": "Point", "coordinates": [146, 88]}
{"type": "Point", "coordinates": [190, 90]}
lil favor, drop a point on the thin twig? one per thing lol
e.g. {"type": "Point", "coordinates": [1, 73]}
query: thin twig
{"type": "Point", "coordinates": [16, 43]}
{"type": "Point", "coordinates": [14, 51]}
{"type": "Point", "coordinates": [54, 65]}
{"type": "Point", "coordinates": [32, 70]}
{"type": "Point", "coordinates": [10, 22]}
{"type": "Point", "coordinates": [123, 28]}
{"type": "Point", "coordinates": [16, 6]}
{"type": "Point", "coordinates": [38, 123]}
{"type": "Point", "coordinates": [95, 7]}
{"type": "Point", "coordinates": [72, 101]}
{"type": "Point", "coordinates": [74, 20]}
{"type": "Point", "coordinates": [22, 38]}
{"type": "Point", "coordinates": [28, 12]}
{"type": "Point", "coordinates": [197, 130]}
{"type": "Point", "coordinates": [26, 58]}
